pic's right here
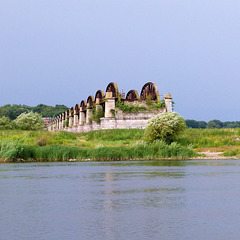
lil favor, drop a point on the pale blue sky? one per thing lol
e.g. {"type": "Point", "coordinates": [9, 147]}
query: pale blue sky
{"type": "Point", "coordinates": [60, 52]}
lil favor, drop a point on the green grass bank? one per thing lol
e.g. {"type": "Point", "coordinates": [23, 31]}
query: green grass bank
{"type": "Point", "coordinates": [115, 144]}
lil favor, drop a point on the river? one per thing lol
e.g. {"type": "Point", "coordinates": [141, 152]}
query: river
{"type": "Point", "coordinates": [190, 199]}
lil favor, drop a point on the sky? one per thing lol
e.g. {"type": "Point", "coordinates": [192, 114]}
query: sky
{"type": "Point", "coordinates": [61, 51]}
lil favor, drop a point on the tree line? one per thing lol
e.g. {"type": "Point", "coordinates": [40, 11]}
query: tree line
{"type": "Point", "coordinates": [212, 124]}
{"type": "Point", "coordinates": [13, 111]}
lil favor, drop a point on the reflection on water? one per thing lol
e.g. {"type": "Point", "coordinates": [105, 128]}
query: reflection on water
{"type": "Point", "coordinates": [195, 199]}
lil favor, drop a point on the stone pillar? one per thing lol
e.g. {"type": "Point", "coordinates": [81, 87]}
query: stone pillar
{"type": "Point", "coordinates": [168, 102]}
{"type": "Point", "coordinates": [82, 117]}
{"type": "Point", "coordinates": [66, 119]}
{"type": "Point", "coordinates": [98, 106]}
{"type": "Point", "coordinates": [70, 121]}
{"type": "Point", "coordinates": [109, 105]}
{"type": "Point", "coordinates": [60, 124]}
{"type": "Point", "coordinates": [53, 124]}
{"type": "Point", "coordinates": [63, 120]}
{"type": "Point", "coordinates": [88, 114]}
{"type": "Point", "coordinates": [75, 119]}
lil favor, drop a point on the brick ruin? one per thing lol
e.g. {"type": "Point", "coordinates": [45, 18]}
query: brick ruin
{"type": "Point", "coordinates": [113, 110]}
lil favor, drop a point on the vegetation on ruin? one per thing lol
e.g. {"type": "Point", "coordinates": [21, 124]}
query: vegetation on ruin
{"type": "Point", "coordinates": [135, 108]}
{"type": "Point", "coordinates": [115, 144]}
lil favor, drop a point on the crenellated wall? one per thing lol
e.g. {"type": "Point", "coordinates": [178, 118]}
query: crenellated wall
{"type": "Point", "coordinates": [80, 118]}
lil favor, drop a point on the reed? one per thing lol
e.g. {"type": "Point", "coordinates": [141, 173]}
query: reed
{"type": "Point", "coordinates": [141, 150]}
{"type": "Point", "coordinates": [116, 144]}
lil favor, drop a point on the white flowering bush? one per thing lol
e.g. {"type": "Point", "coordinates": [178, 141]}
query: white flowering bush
{"type": "Point", "coordinates": [29, 121]}
{"type": "Point", "coordinates": [165, 126]}
{"type": "Point", "coordinates": [5, 123]}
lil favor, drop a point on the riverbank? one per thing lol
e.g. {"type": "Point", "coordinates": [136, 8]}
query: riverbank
{"type": "Point", "coordinates": [116, 145]}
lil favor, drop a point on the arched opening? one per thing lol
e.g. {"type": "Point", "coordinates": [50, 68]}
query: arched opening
{"type": "Point", "coordinates": [150, 89]}
{"type": "Point", "coordinates": [99, 97]}
{"type": "Point", "coordinates": [113, 88]}
{"type": "Point", "coordinates": [90, 101]}
{"type": "Point", "coordinates": [71, 111]}
{"type": "Point", "coordinates": [83, 105]}
{"type": "Point", "coordinates": [82, 112]}
{"type": "Point", "coordinates": [77, 108]}
{"type": "Point", "coordinates": [132, 95]}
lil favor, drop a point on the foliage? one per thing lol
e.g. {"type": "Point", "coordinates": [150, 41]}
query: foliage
{"type": "Point", "coordinates": [66, 122]}
{"type": "Point", "coordinates": [202, 138]}
{"type": "Point", "coordinates": [13, 111]}
{"type": "Point", "coordinates": [130, 107]}
{"type": "Point", "coordinates": [29, 121]}
{"type": "Point", "coordinates": [151, 105]}
{"type": "Point", "coordinates": [5, 123]}
{"type": "Point", "coordinates": [212, 124]}
{"type": "Point", "coordinates": [112, 144]}
{"type": "Point", "coordinates": [116, 144]}
{"type": "Point", "coordinates": [141, 150]}
{"type": "Point", "coordinates": [113, 112]}
{"type": "Point", "coordinates": [195, 124]}
{"type": "Point", "coordinates": [97, 114]}
{"type": "Point", "coordinates": [115, 135]}
{"type": "Point", "coordinates": [165, 126]}
{"type": "Point", "coordinates": [215, 124]}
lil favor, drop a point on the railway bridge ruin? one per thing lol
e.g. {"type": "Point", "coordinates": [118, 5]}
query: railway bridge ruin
{"type": "Point", "coordinates": [112, 110]}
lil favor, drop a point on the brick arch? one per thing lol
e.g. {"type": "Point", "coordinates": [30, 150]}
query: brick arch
{"type": "Point", "coordinates": [132, 95]}
{"type": "Point", "coordinates": [70, 111]}
{"type": "Point", "coordinates": [90, 101]}
{"type": "Point", "coordinates": [100, 95]}
{"type": "Point", "coordinates": [83, 105]}
{"type": "Point", "coordinates": [112, 87]}
{"type": "Point", "coordinates": [150, 89]}
{"type": "Point", "coordinates": [77, 108]}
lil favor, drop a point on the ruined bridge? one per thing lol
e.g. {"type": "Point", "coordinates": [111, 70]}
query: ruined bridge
{"type": "Point", "coordinates": [113, 110]}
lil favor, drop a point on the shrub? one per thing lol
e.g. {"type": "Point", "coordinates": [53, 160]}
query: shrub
{"type": "Point", "coordinates": [165, 126]}
{"type": "Point", "coordinates": [97, 114]}
{"type": "Point", "coordinates": [5, 123]}
{"type": "Point", "coordinates": [29, 121]}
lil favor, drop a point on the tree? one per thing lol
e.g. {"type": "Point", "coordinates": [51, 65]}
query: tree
{"type": "Point", "coordinates": [165, 126]}
{"type": "Point", "coordinates": [202, 124]}
{"type": "Point", "coordinates": [215, 124]}
{"type": "Point", "coordinates": [13, 111]}
{"type": "Point", "coordinates": [192, 123]}
{"type": "Point", "coordinates": [29, 121]}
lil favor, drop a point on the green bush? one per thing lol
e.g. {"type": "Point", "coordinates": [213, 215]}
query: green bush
{"type": "Point", "coordinates": [165, 126]}
{"type": "Point", "coordinates": [5, 123]}
{"type": "Point", "coordinates": [29, 121]}
{"type": "Point", "coordinates": [97, 114]}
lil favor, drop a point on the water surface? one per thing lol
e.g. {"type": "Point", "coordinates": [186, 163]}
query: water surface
{"type": "Point", "coordinates": [192, 199]}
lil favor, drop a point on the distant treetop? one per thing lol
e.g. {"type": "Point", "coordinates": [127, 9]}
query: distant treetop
{"type": "Point", "coordinates": [14, 110]}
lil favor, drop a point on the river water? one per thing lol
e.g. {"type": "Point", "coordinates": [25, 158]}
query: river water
{"type": "Point", "coordinates": [191, 199]}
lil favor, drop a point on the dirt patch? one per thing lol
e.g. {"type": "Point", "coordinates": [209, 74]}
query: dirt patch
{"type": "Point", "coordinates": [211, 154]}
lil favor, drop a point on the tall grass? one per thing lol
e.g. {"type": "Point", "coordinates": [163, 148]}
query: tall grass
{"type": "Point", "coordinates": [141, 150]}
{"type": "Point", "coordinates": [116, 144]}
{"type": "Point", "coordinates": [115, 134]}
{"type": "Point", "coordinates": [210, 137]}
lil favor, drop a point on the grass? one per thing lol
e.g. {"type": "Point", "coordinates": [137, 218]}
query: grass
{"type": "Point", "coordinates": [115, 144]}
{"type": "Point", "coordinates": [200, 138]}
